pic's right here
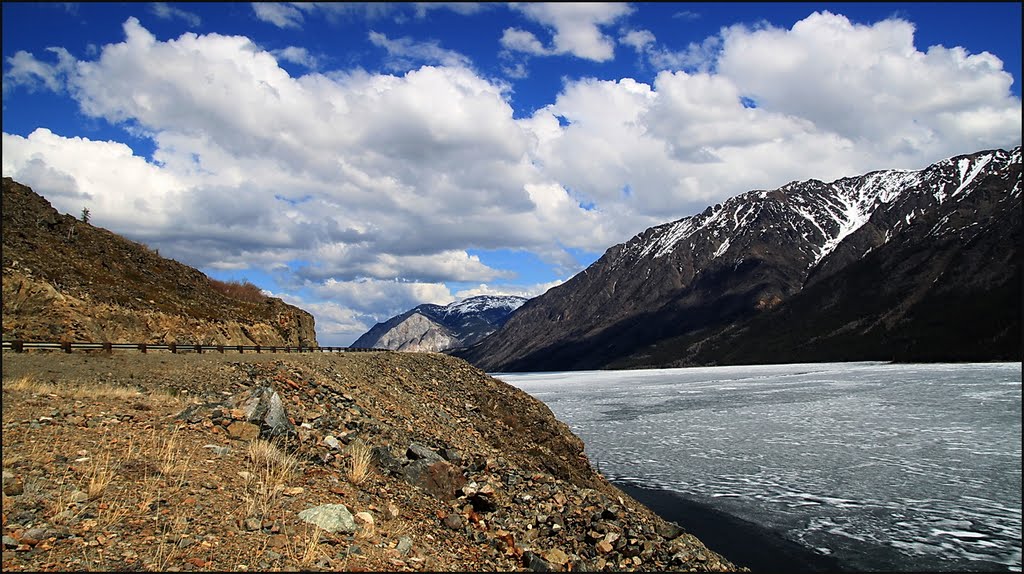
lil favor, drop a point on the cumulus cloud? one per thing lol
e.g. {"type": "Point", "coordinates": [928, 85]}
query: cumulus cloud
{"type": "Point", "coordinates": [575, 27]}
{"type": "Point", "coordinates": [368, 191]}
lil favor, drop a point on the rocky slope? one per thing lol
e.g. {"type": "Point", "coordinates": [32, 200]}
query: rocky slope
{"type": "Point", "coordinates": [64, 279]}
{"type": "Point", "coordinates": [912, 265]}
{"type": "Point", "coordinates": [434, 328]}
{"type": "Point", "coordinates": [130, 461]}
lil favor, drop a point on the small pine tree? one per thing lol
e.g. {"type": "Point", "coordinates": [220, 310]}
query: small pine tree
{"type": "Point", "coordinates": [85, 215]}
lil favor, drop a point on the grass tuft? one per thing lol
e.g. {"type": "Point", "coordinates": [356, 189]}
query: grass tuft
{"type": "Point", "coordinates": [270, 470]}
{"type": "Point", "coordinates": [360, 463]}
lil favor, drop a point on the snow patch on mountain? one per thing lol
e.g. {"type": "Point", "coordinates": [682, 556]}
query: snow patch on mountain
{"type": "Point", "coordinates": [822, 215]}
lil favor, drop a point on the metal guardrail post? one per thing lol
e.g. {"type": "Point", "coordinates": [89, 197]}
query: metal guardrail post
{"type": "Point", "coordinates": [18, 346]}
{"type": "Point", "coordinates": [142, 347]}
{"type": "Point", "coordinates": [220, 349]}
{"type": "Point", "coordinates": [108, 347]}
{"type": "Point", "coordinates": [66, 346]}
{"type": "Point", "coordinates": [257, 348]}
{"type": "Point", "coordinates": [173, 347]}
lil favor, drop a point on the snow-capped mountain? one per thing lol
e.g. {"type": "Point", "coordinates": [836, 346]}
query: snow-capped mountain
{"type": "Point", "coordinates": [435, 328]}
{"type": "Point", "coordinates": [689, 291]}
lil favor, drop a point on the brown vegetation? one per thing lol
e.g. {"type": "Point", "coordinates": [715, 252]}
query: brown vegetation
{"type": "Point", "coordinates": [241, 290]}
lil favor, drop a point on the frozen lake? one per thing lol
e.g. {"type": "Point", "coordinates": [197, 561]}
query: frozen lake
{"type": "Point", "coordinates": [884, 467]}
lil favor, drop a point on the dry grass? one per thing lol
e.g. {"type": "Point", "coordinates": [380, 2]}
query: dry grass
{"type": "Point", "coordinates": [360, 463]}
{"type": "Point", "coordinates": [74, 390]}
{"type": "Point", "coordinates": [100, 475]}
{"type": "Point", "coordinates": [308, 552]}
{"type": "Point", "coordinates": [171, 463]}
{"type": "Point", "coordinates": [270, 469]}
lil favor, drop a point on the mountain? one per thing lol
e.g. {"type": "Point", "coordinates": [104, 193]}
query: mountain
{"type": "Point", "coordinates": [67, 280]}
{"type": "Point", "coordinates": [895, 264]}
{"type": "Point", "coordinates": [436, 328]}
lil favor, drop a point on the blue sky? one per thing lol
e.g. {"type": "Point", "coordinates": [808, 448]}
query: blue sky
{"type": "Point", "coordinates": [360, 159]}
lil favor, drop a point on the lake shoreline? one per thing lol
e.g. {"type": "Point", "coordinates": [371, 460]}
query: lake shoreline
{"type": "Point", "coordinates": [742, 542]}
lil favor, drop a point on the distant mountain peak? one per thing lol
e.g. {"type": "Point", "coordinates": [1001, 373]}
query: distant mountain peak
{"type": "Point", "coordinates": [436, 328]}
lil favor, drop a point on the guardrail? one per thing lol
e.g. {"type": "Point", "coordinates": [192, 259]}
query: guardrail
{"type": "Point", "coordinates": [67, 347]}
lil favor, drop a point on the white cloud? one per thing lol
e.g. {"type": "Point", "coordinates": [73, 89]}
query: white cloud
{"type": "Point", "coordinates": [463, 8]}
{"type": "Point", "coordinates": [528, 291]}
{"type": "Point", "coordinates": [869, 84]}
{"type": "Point", "coordinates": [522, 41]}
{"type": "Point", "coordinates": [404, 53]}
{"type": "Point", "coordinates": [297, 55]}
{"type": "Point", "coordinates": [576, 28]}
{"type": "Point", "coordinates": [637, 39]}
{"type": "Point", "coordinates": [383, 183]}
{"type": "Point", "coordinates": [166, 11]}
{"type": "Point", "coordinates": [279, 14]}
{"type": "Point", "coordinates": [25, 70]}
{"type": "Point", "coordinates": [383, 299]}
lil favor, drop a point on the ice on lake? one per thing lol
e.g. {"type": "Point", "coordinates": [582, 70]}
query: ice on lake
{"type": "Point", "coordinates": [884, 466]}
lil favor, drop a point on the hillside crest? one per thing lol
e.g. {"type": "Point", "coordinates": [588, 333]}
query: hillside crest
{"type": "Point", "coordinates": [67, 280]}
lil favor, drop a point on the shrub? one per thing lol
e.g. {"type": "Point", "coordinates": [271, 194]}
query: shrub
{"type": "Point", "coordinates": [241, 290]}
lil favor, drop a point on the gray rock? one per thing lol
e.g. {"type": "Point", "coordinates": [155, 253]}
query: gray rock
{"type": "Point", "coordinates": [453, 521]}
{"type": "Point", "coordinates": [436, 477]}
{"type": "Point", "coordinates": [452, 455]}
{"type": "Point", "coordinates": [535, 563]}
{"type": "Point", "coordinates": [263, 406]}
{"type": "Point", "coordinates": [385, 460]}
{"type": "Point", "coordinates": [10, 542]}
{"type": "Point", "coordinates": [668, 530]}
{"type": "Point", "coordinates": [417, 451]}
{"type": "Point", "coordinates": [332, 442]}
{"type": "Point", "coordinates": [13, 485]}
{"type": "Point", "coordinates": [330, 517]}
{"type": "Point", "coordinates": [404, 545]}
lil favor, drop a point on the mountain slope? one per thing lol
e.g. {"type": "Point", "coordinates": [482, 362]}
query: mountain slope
{"type": "Point", "coordinates": [64, 279]}
{"type": "Point", "coordinates": [434, 328]}
{"type": "Point", "coordinates": [684, 292]}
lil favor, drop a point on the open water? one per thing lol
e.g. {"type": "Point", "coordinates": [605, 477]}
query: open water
{"type": "Point", "coordinates": [885, 467]}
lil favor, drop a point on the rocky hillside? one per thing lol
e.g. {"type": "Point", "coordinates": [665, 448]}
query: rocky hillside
{"type": "Point", "coordinates": [66, 280]}
{"type": "Point", "coordinates": [372, 461]}
{"type": "Point", "coordinates": [435, 328]}
{"type": "Point", "coordinates": [907, 265]}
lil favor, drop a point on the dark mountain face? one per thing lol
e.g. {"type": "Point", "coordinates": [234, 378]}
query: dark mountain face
{"type": "Point", "coordinates": [430, 327]}
{"type": "Point", "coordinates": [915, 265]}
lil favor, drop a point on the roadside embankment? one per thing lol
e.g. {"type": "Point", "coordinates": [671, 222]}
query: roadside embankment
{"type": "Point", "coordinates": [362, 461]}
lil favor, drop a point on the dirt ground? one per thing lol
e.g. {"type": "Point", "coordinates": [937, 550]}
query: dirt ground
{"type": "Point", "coordinates": [132, 461]}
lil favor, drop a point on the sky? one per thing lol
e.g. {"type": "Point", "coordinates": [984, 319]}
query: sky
{"type": "Point", "coordinates": [357, 160]}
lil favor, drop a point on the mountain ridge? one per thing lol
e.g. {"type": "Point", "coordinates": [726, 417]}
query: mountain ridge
{"type": "Point", "coordinates": [689, 279]}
